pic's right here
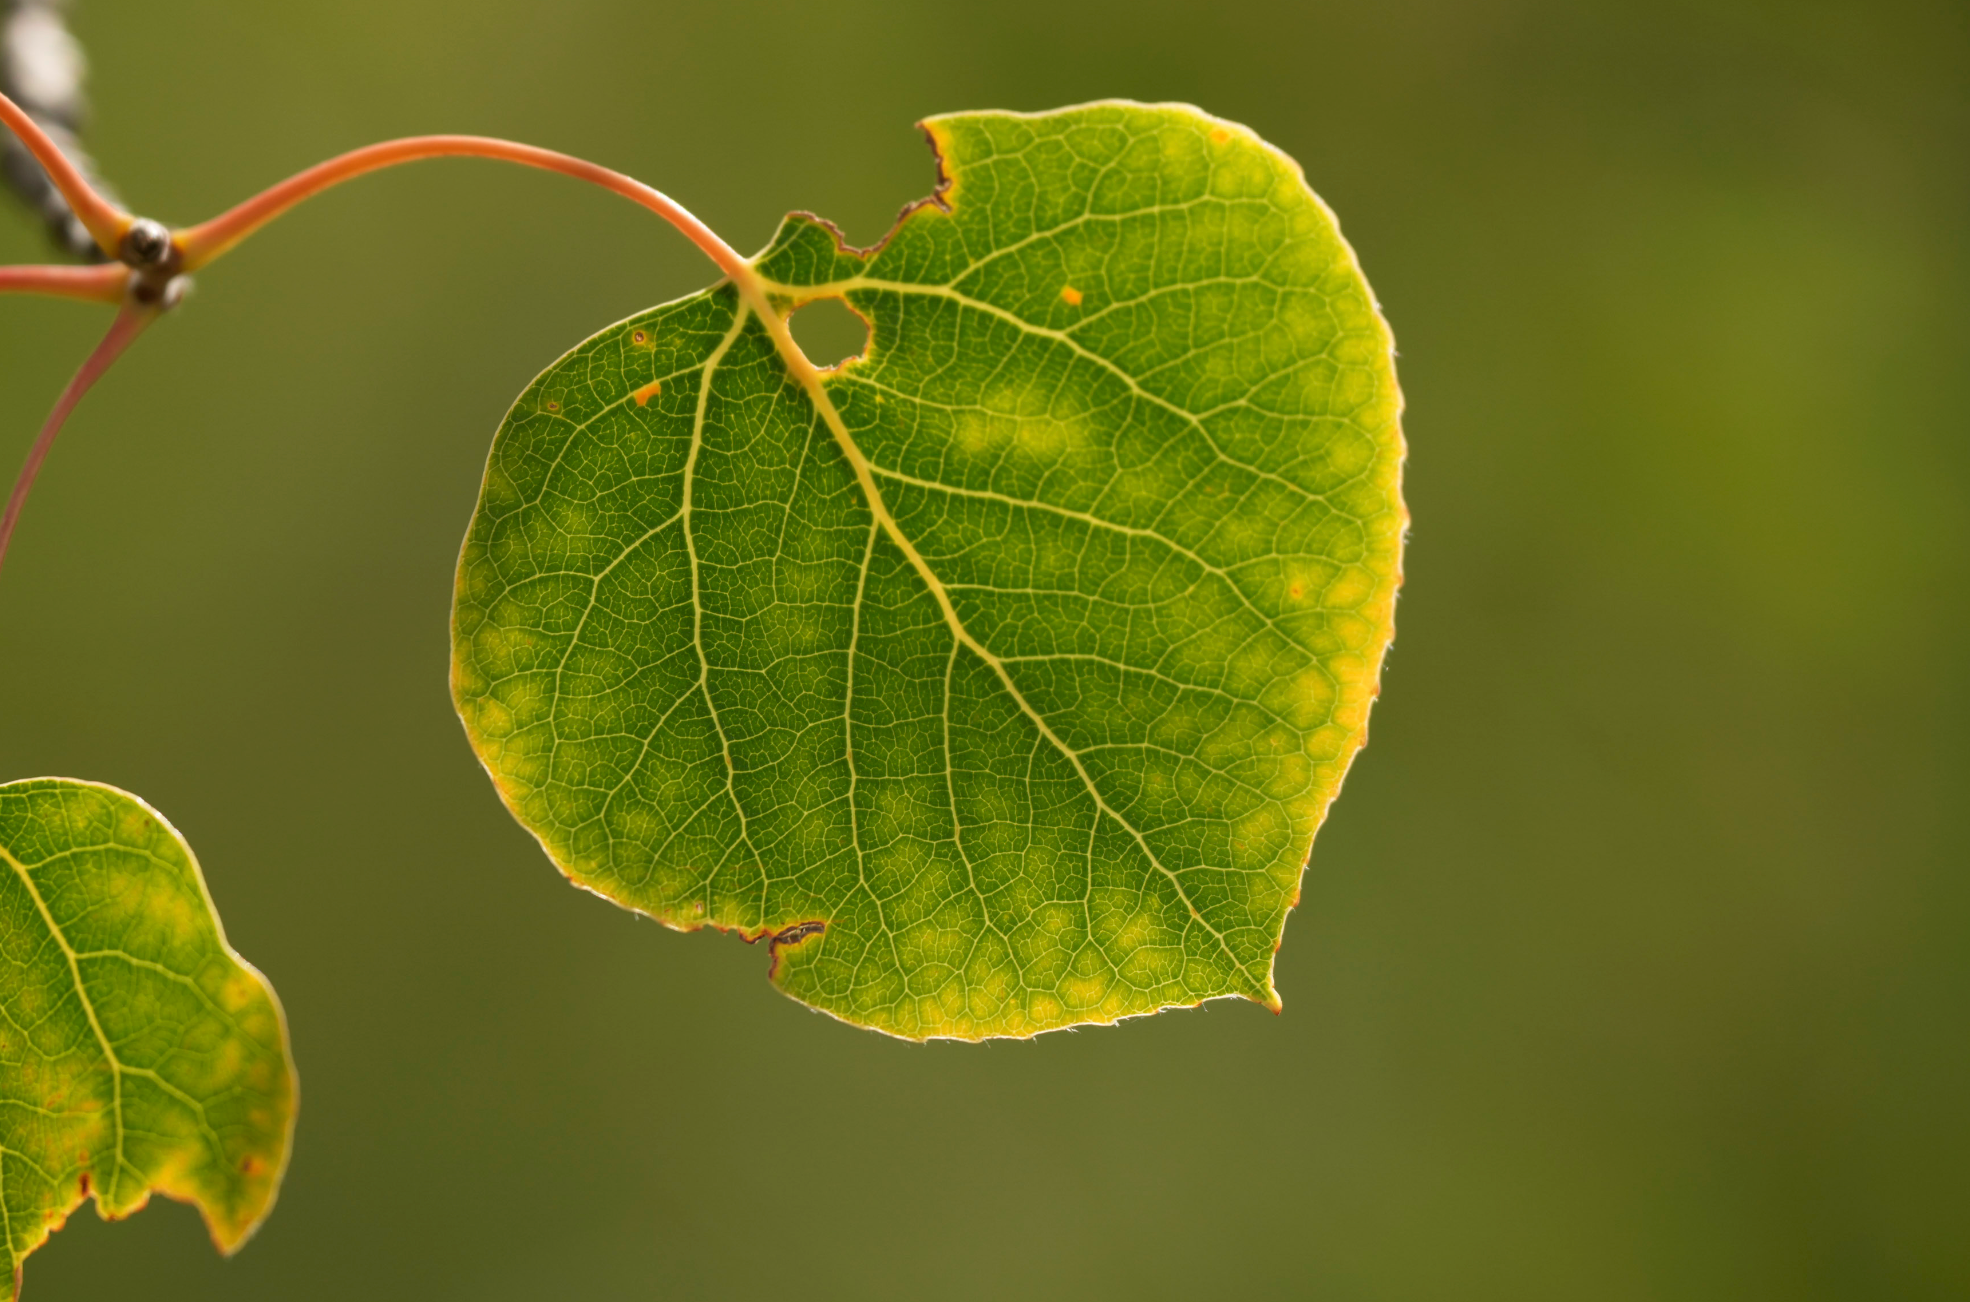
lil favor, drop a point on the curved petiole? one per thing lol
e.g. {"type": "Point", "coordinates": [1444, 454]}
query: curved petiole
{"type": "Point", "coordinates": [129, 323]}
{"type": "Point", "coordinates": [106, 222]}
{"type": "Point", "coordinates": [199, 245]}
{"type": "Point", "coordinates": [105, 283]}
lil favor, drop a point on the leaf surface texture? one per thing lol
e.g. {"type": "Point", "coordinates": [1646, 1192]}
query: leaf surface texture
{"type": "Point", "coordinates": [138, 1053]}
{"type": "Point", "coordinates": [1005, 690]}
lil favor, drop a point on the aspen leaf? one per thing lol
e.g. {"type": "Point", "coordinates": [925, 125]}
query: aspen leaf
{"type": "Point", "coordinates": [138, 1053]}
{"type": "Point", "coordinates": [1004, 688]}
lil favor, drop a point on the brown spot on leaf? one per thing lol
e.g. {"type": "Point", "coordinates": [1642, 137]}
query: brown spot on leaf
{"type": "Point", "coordinates": [793, 935]}
{"type": "Point", "coordinates": [798, 932]}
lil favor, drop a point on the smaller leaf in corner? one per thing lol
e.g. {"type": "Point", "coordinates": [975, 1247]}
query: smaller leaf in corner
{"type": "Point", "coordinates": [138, 1053]}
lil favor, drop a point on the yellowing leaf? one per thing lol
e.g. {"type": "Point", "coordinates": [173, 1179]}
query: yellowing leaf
{"type": "Point", "coordinates": [1005, 686]}
{"type": "Point", "coordinates": [138, 1052]}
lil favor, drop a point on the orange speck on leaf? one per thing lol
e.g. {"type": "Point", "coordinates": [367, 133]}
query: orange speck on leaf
{"type": "Point", "coordinates": [553, 406]}
{"type": "Point", "coordinates": [1295, 589]}
{"type": "Point", "coordinates": [1071, 296]}
{"type": "Point", "coordinates": [647, 392]}
{"type": "Point", "coordinates": [1220, 135]}
{"type": "Point", "coordinates": [638, 337]}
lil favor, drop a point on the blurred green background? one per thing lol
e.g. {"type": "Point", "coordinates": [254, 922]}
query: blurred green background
{"type": "Point", "coordinates": [1633, 961]}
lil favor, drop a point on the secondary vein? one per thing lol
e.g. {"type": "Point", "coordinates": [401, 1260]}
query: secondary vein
{"type": "Point", "coordinates": [88, 1009]}
{"type": "Point", "coordinates": [810, 378]}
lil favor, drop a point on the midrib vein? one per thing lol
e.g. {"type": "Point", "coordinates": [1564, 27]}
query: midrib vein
{"type": "Point", "coordinates": [810, 379]}
{"type": "Point", "coordinates": [88, 1009]}
{"type": "Point", "coordinates": [848, 742]}
{"type": "Point", "coordinates": [697, 603]}
{"type": "Point", "coordinates": [7, 1221]}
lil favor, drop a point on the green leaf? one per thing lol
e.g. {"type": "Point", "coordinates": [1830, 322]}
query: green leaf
{"type": "Point", "coordinates": [138, 1052]}
{"type": "Point", "coordinates": [1005, 688]}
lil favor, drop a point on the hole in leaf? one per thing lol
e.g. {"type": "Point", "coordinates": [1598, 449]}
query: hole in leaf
{"type": "Point", "coordinates": [829, 332]}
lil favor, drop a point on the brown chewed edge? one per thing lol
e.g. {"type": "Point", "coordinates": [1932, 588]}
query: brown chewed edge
{"type": "Point", "coordinates": [1005, 683]}
{"type": "Point", "coordinates": [139, 1053]}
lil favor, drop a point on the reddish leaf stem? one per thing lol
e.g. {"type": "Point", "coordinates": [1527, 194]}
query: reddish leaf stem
{"type": "Point", "coordinates": [129, 323]}
{"type": "Point", "coordinates": [100, 284]}
{"type": "Point", "coordinates": [200, 244]}
{"type": "Point", "coordinates": [103, 219]}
